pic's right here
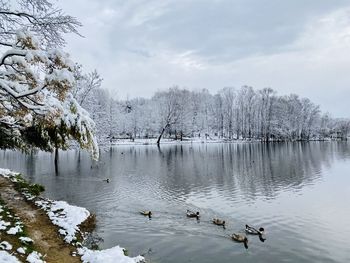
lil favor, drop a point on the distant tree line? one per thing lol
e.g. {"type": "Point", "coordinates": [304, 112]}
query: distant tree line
{"type": "Point", "coordinates": [229, 114]}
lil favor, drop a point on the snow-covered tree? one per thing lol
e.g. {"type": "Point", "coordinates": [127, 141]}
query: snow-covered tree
{"type": "Point", "coordinates": [47, 22]}
{"type": "Point", "coordinates": [228, 96]}
{"type": "Point", "coordinates": [230, 114]}
{"type": "Point", "coordinates": [85, 83]}
{"type": "Point", "coordinates": [171, 107]}
{"type": "Point", "coordinates": [37, 108]}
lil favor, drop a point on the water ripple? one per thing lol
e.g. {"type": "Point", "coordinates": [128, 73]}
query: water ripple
{"type": "Point", "coordinates": [298, 192]}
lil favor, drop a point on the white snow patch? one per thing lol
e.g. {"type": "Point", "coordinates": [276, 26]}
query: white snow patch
{"type": "Point", "coordinates": [5, 245]}
{"type": "Point", "coordinates": [14, 230]}
{"type": "Point", "coordinates": [66, 216]}
{"type": "Point", "coordinates": [4, 224]}
{"type": "Point", "coordinates": [6, 257]}
{"type": "Point", "coordinates": [6, 173]}
{"type": "Point", "coordinates": [35, 257]}
{"type": "Point", "coordinates": [21, 250]}
{"type": "Point", "coordinates": [26, 240]}
{"type": "Point", "coordinates": [112, 255]}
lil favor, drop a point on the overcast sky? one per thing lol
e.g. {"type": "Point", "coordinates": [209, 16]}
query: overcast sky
{"type": "Point", "coordinates": [141, 46]}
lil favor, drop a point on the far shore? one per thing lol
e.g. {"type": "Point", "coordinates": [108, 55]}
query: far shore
{"type": "Point", "coordinates": [187, 140]}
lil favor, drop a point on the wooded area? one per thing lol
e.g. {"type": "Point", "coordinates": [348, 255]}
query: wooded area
{"type": "Point", "coordinates": [230, 114]}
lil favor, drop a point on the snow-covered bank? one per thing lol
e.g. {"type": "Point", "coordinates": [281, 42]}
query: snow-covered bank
{"type": "Point", "coordinates": [112, 255]}
{"type": "Point", "coordinates": [167, 141]}
{"type": "Point", "coordinates": [68, 218]}
{"type": "Point", "coordinates": [196, 140]}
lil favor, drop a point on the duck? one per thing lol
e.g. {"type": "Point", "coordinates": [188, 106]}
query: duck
{"type": "Point", "coordinates": [146, 213]}
{"type": "Point", "coordinates": [240, 238]}
{"type": "Point", "coordinates": [106, 180]}
{"type": "Point", "coordinates": [253, 231]}
{"type": "Point", "coordinates": [189, 213]}
{"type": "Point", "coordinates": [219, 222]}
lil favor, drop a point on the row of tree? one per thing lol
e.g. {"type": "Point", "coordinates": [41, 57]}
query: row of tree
{"type": "Point", "coordinates": [230, 114]}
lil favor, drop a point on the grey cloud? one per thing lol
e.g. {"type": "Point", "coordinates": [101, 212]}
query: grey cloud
{"type": "Point", "coordinates": [138, 46]}
{"type": "Point", "coordinates": [220, 30]}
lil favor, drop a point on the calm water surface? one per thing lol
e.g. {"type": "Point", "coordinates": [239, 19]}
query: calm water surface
{"type": "Point", "coordinates": [299, 192]}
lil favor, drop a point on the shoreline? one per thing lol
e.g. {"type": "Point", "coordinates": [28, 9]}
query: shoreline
{"type": "Point", "coordinates": [153, 142]}
{"type": "Point", "coordinates": [37, 230]}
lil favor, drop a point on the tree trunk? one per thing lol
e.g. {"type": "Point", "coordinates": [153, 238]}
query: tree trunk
{"type": "Point", "coordinates": [56, 159]}
{"type": "Point", "coordinates": [222, 125]}
{"type": "Point", "coordinates": [161, 134]}
{"type": "Point", "coordinates": [230, 132]}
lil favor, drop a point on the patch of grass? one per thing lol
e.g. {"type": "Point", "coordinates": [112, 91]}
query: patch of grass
{"type": "Point", "coordinates": [95, 246]}
{"type": "Point", "coordinates": [126, 252]}
{"type": "Point", "coordinates": [22, 185]}
{"type": "Point", "coordinates": [89, 224]}
{"type": "Point", "coordinates": [8, 215]}
{"type": "Point", "coordinates": [85, 234]}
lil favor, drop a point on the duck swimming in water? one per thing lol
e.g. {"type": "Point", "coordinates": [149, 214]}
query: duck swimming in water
{"type": "Point", "coordinates": [240, 238]}
{"type": "Point", "coordinates": [219, 222]}
{"type": "Point", "coordinates": [253, 231]}
{"type": "Point", "coordinates": [192, 214]}
{"type": "Point", "coordinates": [146, 213]}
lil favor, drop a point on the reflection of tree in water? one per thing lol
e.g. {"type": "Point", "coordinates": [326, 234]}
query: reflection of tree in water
{"type": "Point", "coordinates": [20, 162]}
{"type": "Point", "coordinates": [255, 169]}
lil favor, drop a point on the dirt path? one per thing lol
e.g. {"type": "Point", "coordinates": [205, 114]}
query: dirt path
{"type": "Point", "coordinates": [45, 235]}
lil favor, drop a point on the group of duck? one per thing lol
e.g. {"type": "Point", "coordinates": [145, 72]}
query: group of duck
{"type": "Point", "coordinates": [238, 237]}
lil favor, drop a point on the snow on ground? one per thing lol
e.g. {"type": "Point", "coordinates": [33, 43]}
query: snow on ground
{"type": "Point", "coordinates": [166, 141]}
{"type": "Point", "coordinates": [112, 255]}
{"type": "Point", "coordinates": [6, 173]}
{"type": "Point", "coordinates": [35, 257]}
{"type": "Point", "coordinates": [65, 216]}
{"type": "Point", "coordinates": [7, 258]}
{"type": "Point", "coordinates": [4, 224]}
{"type": "Point", "coordinates": [26, 240]}
{"type": "Point", "coordinates": [5, 245]}
{"type": "Point", "coordinates": [21, 250]}
{"type": "Point", "coordinates": [14, 230]}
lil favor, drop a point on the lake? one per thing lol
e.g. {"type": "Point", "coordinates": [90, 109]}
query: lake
{"type": "Point", "coordinates": [299, 192]}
